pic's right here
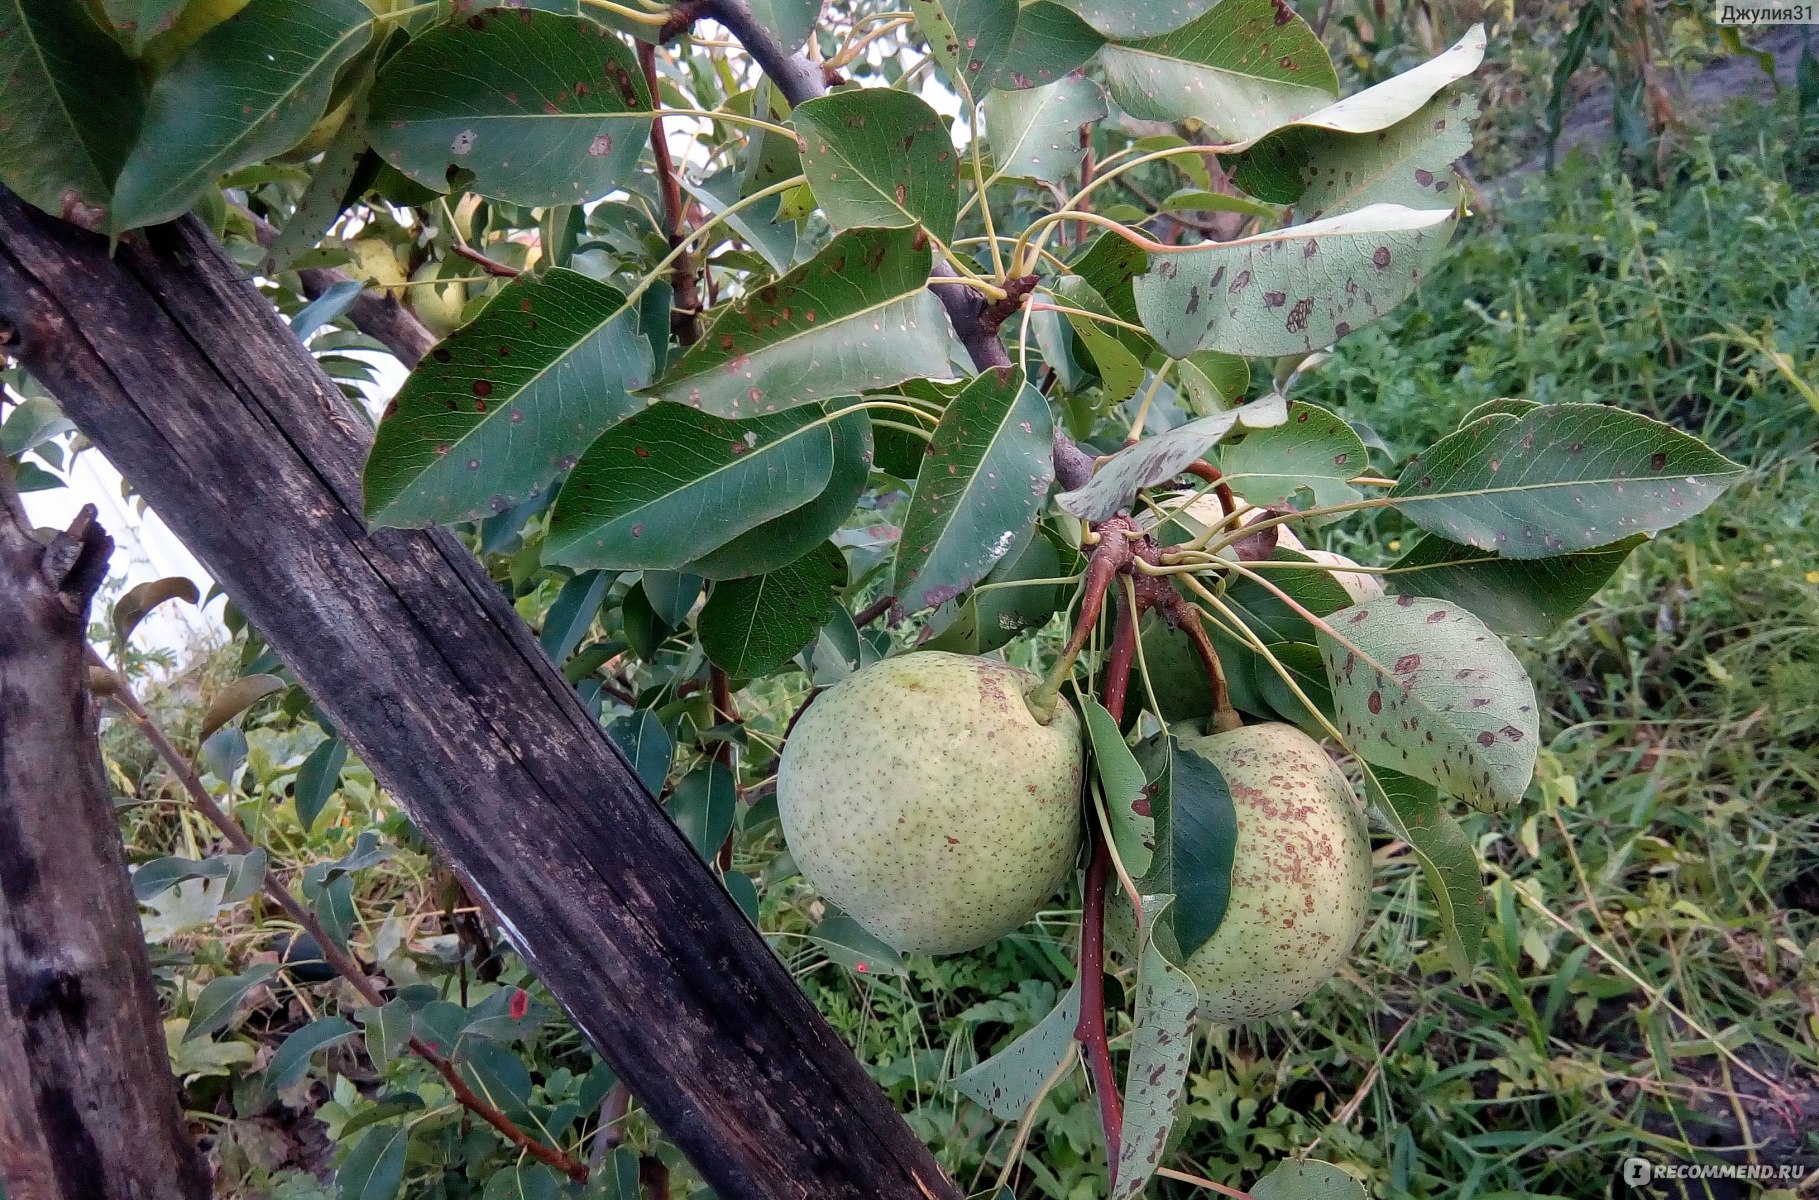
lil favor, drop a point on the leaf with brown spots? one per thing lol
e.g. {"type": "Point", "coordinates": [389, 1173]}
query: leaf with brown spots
{"type": "Point", "coordinates": [1162, 1046]}
{"type": "Point", "coordinates": [1128, 804]}
{"type": "Point", "coordinates": [1425, 688]}
{"type": "Point", "coordinates": [880, 157]}
{"type": "Point", "coordinates": [1307, 1179]}
{"type": "Point", "coordinates": [1294, 290]}
{"type": "Point", "coordinates": [1304, 461]}
{"type": "Point", "coordinates": [1009, 1081]}
{"type": "Point", "coordinates": [971, 39]}
{"type": "Point", "coordinates": [1035, 134]}
{"type": "Point", "coordinates": [1161, 458]}
{"type": "Point", "coordinates": [1524, 597]}
{"type": "Point", "coordinates": [1413, 812]}
{"type": "Point", "coordinates": [1560, 478]}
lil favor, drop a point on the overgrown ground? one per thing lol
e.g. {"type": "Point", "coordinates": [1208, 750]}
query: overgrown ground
{"type": "Point", "coordinates": [1652, 971]}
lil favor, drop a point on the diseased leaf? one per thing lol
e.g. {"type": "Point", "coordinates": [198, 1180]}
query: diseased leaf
{"type": "Point", "coordinates": [559, 116]}
{"type": "Point", "coordinates": [139, 21]}
{"type": "Point", "coordinates": [1008, 1082]}
{"type": "Point", "coordinates": [70, 105]}
{"type": "Point", "coordinates": [1050, 42]}
{"type": "Point", "coordinates": [971, 39]}
{"type": "Point", "coordinates": [982, 483]}
{"type": "Point", "coordinates": [507, 402]}
{"type": "Point", "coordinates": [325, 197]}
{"type": "Point", "coordinates": [1560, 478]}
{"type": "Point", "coordinates": [879, 157]}
{"type": "Point", "coordinates": [1124, 20]}
{"type": "Point", "coordinates": [1293, 290]}
{"type": "Point", "coordinates": [1212, 382]}
{"type": "Point", "coordinates": [855, 317]}
{"type": "Point", "coordinates": [1035, 133]}
{"type": "Point", "coordinates": [993, 614]}
{"type": "Point", "coordinates": [1162, 457]}
{"type": "Point", "coordinates": [753, 626]}
{"type": "Point", "coordinates": [1121, 781]}
{"type": "Point", "coordinates": [248, 88]}
{"type": "Point", "coordinates": [1307, 1179]}
{"type": "Point", "coordinates": [763, 224]}
{"type": "Point", "coordinates": [1413, 812]}
{"type": "Point", "coordinates": [235, 699]}
{"type": "Point", "coordinates": [1162, 1046]}
{"type": "Point", "coordinates": [138, 602]}
{"type": "Point", "coordinates": [387, 1029]}
{"type": "Point", "coordinates": [670, 485]}
{"type": "Point", "coordinates": [1242, 69]}
{"type": "Point", "coordinates": [1518, 597]}
{"type": "Point", "coordinates": [789, 21]}
{"type": "Point", "coordinates": [846, 942]}
{"type": "Point", "coordinates": [1423, 687]}
{"type": "Point", "coordinates": [1303, 462]}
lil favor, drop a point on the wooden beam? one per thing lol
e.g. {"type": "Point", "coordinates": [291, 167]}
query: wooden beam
{"type": "Point", "coordinates": [88, 1108]}
{"type": "Point", "coordinates": [183, 375]}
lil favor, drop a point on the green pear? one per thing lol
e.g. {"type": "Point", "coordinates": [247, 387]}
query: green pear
{"type": "Point", "coordinates": [923, 797]}
{"type": "Point", "coordinates": [1301, 874]}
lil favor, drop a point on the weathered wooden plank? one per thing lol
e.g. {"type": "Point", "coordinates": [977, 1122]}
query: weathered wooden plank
{"type": "Point", "coordinates": [186, 379]}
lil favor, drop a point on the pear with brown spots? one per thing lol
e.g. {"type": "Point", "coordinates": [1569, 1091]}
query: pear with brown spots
{"type": "Point", "coordinates": [1301, 874]}
{"type": "Point", "coordinates": [923, 797]}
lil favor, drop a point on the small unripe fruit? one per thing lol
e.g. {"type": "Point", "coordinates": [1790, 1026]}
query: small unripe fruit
{"type": "Point", "coordinates": [923, 797]}
{"type": "Point", "coordinates": [1301, 874]}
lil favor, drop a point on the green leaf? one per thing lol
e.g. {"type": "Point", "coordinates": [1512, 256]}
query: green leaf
{"type": "Point", "coordinates": [670, 485]}
{"type": "Point", "coordinates": [525, 1181]}
{"type": "Point", "coordinates": [1308, 1179]}
{"type": "Point", "coordinates": [1035, 133]}
{"type": "Point", "coordinates": [751, 627]}
{"type": "Point", "coordinates": [763, 224]}
{"type": "Point", "coordinates": [138, 602]}
{"type": "Point", "coordinates": [1049, 42]}
{"type": "Point", "coordinates": [993, 615]}
{"type": "Point", "coordinates": [880, 157]}
{"type": "Point", "coordinates": [971, 39]}
{"type": "Point", "coordinates": [325, 197]}
{"type": "Point", "coordinates": [1126, 791]}
{"type": "Point", "coordinates": [387, 1030]}
{"type": "Point", "coordinates": [1242, 69]}
{"type": "Point", "coordinates": [1304, 461]}
{"type": "Point", "coordinates": [1212, 381]}
{"type": "Point", "coordinates": [1009, 1081]}
{"type": "Point", "coordinates": [317, 779]}
{"type": "Point", "coordinates": [846, 942]}
{"type": "Point", "coordinates": [496, 1074]}
{"type": "Point", "coordinates": [1162, 1046]}
{"type": "Point", "coordinates": [646, 745]}
{"type": "Point", "coordinates": [235, 699]}
{"type": "Point", "coordinates": [857, 316]}
{"type": "Point", "coordinates": [215, 1006]}
{"type": "Point", "coordinates": [1119, 370]}
{"type": "Point", "coordinates": [789, 21]}
{"type": "Point", "coordinates": [1562, 477]}
{"type": "Point", "coordinates": [1421, 686]}
{"type": "Point", "coordinates": [1198, 200]}
{"type": "Point", "coordinates": [1343, 156]}
{"type": "Point", "coordinates": [783, 540]}
{"type": "Point", "coordinates": [139, 21]}
{"type": "Point", "coordinates": [1124, 20]}
{"type": "Point", "coordinates": [1196, 837]}
{"type": "Point", "coordinates": [702, 807]}
{"type": "Point", "coordinates": [1413, 812]}
{"type": "Point", "coordinates": [247, 89]}
{"type": "Point", "coordinates": [1160, 458]}
{"type": "Point", "coordinates": [291, 1063]}
{"type": "Point", "coordinates": [1519, 597]}
{"type": "Point", "coordinates": [374, 1168]}
{"type": "Point", "coordinates": [71, 101]}
{"type": "Point", "coordinates": [1302, 663]}
{"type": "Point", "coordinates": [572, 613]}
{"type": "Point", "coordinates": [507, 402]}
{"type": "Point", "coordinates": [162, 874]}
{"type": "Point", "coordinates": [32, 423]}
{"type": "Point", "coordinates": [1293, 290]}
{"type": "Point", "coordinates": [557, 117]}
{"type": "Point", "coordinates": [982, 483]}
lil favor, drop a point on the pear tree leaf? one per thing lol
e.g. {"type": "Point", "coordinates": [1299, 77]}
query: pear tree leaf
{"type": "Point", "coordinates": [1162, 457]}
{"type": "Point", "coordinates": [1162, 1047]}
{"type": "Point", "coordinates": [1127, 797]}
{"type": "Point", "coordinates": [1123, 20]}
{"type": "Point", "coordinates": [1119, 369]}
{"type": "Point", "coordinates": [984, 480]}
{"type": "Point", "coordinates": [317, 780]}
{"type": "Point", "coordinates": [388, 1030]}
{"type": "Point", "coordinates": [507, 402]}
{"type": "Point", "coordinates": [216, 1003]}
{"type": "Point", "coordinates": [291, 1063]}
{"type": "Point", "coordinates": [753, 626]}
{"type": "Point", "coordinates": [1009, 1081]}
{"type": "Point", "coordinates": [559, 116]}
{"type": "Point", "coordinates": [248, 88]}
{"type": "Point", "coordinates": [879, 157]}
{"type": "Point", "coordinates": [846, 942]}
{"type": "Point", "coordinates": [1196, 836]}
{"type": "Point", "coordinates": [138, 602]}
{"type": "Point", "coordinates": [1211, 381]}
{"type": "Point", "coordinates": [1242, 69]}
{"type": "Point", "coordinates": [1309, 1179]}
{"type": "Point", "coordinates": [1560, 478]}
{"type": "Point", "coordinates": [374, 1168]}
{"type": "Point", "coordinates": [1413, 812]}
{"type": "Point", "coordinates": [324, 199]}
{"type": "Point", "coordinates": [789, 21]}
{"type": "Point", "coordinates": [763, 224]}
{"type": "Point", "coordinates": [72, 104]}
{"type": "Point", "coordinates": [646, 745]}
{"type": "Point", "coordinates": [702, 807]}
{"type": "Point", "coordinates": [572, 613]}
{"type": "Point", "coordinates": [235, 699]}
{"type": "Point", "coordinates": [1294, 290]}
{"type": "Point", "coordinates": [1050, 42]}
{"type": "Point", "coordinates": [137, 22]}
{"type": "Point", "coordinates": [971, 39]}
{"type": "Point", "coordinates": [855, 317]}
{"type": "Point", "coordinates": [1522, 597]}
{"type": "Point", "coordinates": [1423, 687]}
{"type": "Point", "coordinates": [670, 485]}
{"type": "Point", "coordinates": [1035, 133]}
{"type": "Point", "coordinates": [1314, 451]}
{"type": "Point", "coordinates": [994, 615]}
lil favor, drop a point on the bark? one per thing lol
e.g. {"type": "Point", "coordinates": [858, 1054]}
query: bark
{"type": "Point", "coordinates": [88, 1108]}
{"type": "Point", "coordinates": [177, 369]}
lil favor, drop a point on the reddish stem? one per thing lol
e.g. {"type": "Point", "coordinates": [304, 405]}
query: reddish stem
{"type": "Point", "coordinates": [685, 300]}
{"type": "Point", "coordinates": [726, 754]}
{"type": "Point", "coordinates": [1223, 490]}
{"type": "Point", "coordinates": [1187, 617]}
{"type": "Point", "coordinates": [873, 611]}
{"type": "Point", "coordinates": [486, 264]}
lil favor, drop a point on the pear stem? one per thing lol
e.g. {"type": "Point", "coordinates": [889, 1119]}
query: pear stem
{"type": "Point", "coordinates": [1111, 554]}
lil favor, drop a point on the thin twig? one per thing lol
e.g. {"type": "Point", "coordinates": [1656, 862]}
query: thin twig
{"type": "Point", "coordinates": [486, 264]}
{"type": "Point", "coordinates": [344, 963]}
{"type": "Point", "coordinates": [873, 611]}
{"type": "Point", "coordinates": [685, 317]}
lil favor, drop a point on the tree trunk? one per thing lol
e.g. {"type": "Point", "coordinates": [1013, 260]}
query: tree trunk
{"type": "Point", "coordinates": [88, 1108]}
{"type": "Point", "coordinates": [182, 374]}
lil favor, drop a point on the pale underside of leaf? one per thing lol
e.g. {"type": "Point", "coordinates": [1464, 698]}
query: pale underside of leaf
{"type": "Point", "coordinates": [1009, 1081]}
{"type": "Point", "coordinates": [1158, 459]}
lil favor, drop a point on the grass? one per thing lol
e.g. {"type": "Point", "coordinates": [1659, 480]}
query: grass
{"type": "Point", "coordinates": [1651, 975]}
